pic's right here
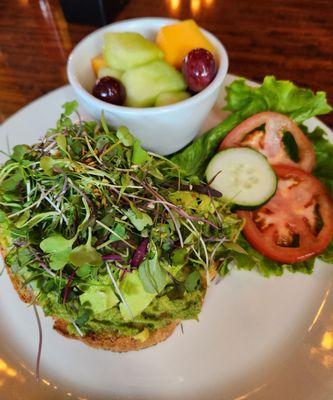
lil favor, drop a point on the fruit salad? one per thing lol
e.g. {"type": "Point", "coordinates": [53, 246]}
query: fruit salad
{"type": "Point", "coordinates": [136, 72]}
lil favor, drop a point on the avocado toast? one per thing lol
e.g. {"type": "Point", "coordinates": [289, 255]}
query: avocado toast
{"type": "Point", "coordinates": [108, 238]}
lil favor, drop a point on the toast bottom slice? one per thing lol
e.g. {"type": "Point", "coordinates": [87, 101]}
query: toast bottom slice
{"type": "Point", "coordinates": [116, 343]}
{"type": "Point", "coordinates": [103, 340]}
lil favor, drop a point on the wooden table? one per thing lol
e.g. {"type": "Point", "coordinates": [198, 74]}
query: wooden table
{"type": "Point", "coordinates": [287, 38]}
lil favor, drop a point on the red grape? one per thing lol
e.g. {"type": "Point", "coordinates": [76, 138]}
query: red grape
{"type": "Point", "coordinates": [199, 69]}
{"type": "Point", "coordinates": [110, 90]}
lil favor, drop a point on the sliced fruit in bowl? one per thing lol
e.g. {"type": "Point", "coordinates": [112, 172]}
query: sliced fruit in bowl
{"type": "Point", "coordinates": [149, 69]}
{"type": "Point", "coordinates": [159, 108]}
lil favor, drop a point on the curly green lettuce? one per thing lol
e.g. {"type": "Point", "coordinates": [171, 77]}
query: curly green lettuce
{"type": "Point", "coordinates": [244, 101]}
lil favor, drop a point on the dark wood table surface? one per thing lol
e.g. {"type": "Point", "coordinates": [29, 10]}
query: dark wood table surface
{"type": "Point", "coordinates": [287, 38]}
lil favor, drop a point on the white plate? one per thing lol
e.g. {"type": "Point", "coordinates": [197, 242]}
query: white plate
{"type": "Point", "coordinates": [257, 338]}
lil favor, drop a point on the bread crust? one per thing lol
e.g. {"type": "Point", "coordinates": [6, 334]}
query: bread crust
{"type": "Point", "coordinates": [115, 343]}
{"type": "Point", "coordinates": [24, 293]}
{"type": "Point", "coordinates": [103, 340]}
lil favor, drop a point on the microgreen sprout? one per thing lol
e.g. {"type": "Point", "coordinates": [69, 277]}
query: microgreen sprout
{"type": "Point", "coordinates": [40, 343]}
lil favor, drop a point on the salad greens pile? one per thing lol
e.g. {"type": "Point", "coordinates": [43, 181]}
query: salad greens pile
{"type": "Point", "coordinates": [108, 236]}
{"type": "Point", "coordinates": [243, 101]}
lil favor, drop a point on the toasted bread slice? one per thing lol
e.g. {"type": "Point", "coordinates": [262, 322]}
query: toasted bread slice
{"type": "Point", "coordinates": [102, 340]}
{"type": "Point", "coordinates": [117, 343]}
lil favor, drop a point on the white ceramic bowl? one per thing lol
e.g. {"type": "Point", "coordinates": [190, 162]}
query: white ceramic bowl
{"type": "Point", "coordinates": [163, 130]}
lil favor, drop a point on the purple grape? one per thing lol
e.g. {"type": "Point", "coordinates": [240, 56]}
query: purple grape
{"type": "Point", "coordinates": [110, 90]}
{"type": "Point", "coordinates": [199, 69]}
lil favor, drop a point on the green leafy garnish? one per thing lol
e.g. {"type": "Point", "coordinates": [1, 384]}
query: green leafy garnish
{"type": "Point", "coordinates": [138, 218]}
{"type": "Point", "coordinates": [327, 256]}
{"type": "Point", "coordinates": [61, 141]}
{"type": "Point", "coordinates": [125, 136]}
{"type": "Point", "coordinates": [11, 183]}
{"type": "Point", "coordinates": [152, 275]}
{"type": "Point", "coordinates": [179, 256]}
{"type": "Point", "coordinates": [194, 158]}
{"type": "Point", "coordinates": [119, 232]}
{"type": "Point", "coordinates": [99, 298]}
{"type": "Point", "coordinates": [19, 152]}
{"type": "Point", "coordinates": [250, 259]}
{"type": "Point", "coordinates": [136, 297]}
{"type": "Point", "coordinates": [139, 154]}
{"type": "Point", "coordinates": [193, 281]}
{"type": "Point", "coordinates": [276, 95]}
{"type": "Point", "coordinates": [55, 243]}
{"type": "Point", "coordinates": [244, 101]}
{"type": "Point", "coordinates": [70, 107]}
{"type": "Point", "coordinates": [59, 249]}
{"type": "Point", "coordinates": [59, 259]}
{"type": "Point", "coordinates": [324, 156]}
{"type": "Point", "coordinates": [85, 254]}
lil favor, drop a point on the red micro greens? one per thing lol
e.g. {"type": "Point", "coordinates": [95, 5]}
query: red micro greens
{"type": "Point", "coordinates": [67, 287]}
{"type": "Point", "coordinates": [139, 253]}
{"type": "Point", "coordinates": [112, 257]}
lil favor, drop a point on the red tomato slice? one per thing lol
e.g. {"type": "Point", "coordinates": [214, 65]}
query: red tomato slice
{"type": "Point", "coordinates": [296, 223]}
{"type": "Point", "coordinates": [269, 141]}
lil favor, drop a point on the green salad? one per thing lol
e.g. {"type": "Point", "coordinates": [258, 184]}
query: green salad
{"type": "Point", "coordinates": [112, 238]}
{"type": "Point", "coordinates": [244, 101]}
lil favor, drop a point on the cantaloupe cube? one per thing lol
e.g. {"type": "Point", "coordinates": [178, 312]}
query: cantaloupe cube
{"type": "Point", "coordinates": [177, 40]}
{"type": "Point", "coordinates": [97, 63]}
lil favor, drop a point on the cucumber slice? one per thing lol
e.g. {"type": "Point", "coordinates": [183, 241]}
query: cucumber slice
{"type": "Point", "coordinates": [243, 176]}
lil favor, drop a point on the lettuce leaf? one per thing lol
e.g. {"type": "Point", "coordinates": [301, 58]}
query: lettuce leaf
{"type": "Point", "coordinates": [253, 260]}
{"type": "Point", "coordinates": [100, 299]}
{"type": "Point", "coordinates": [274, 95]}
{"type": "Point", "coordinates": [324, 156]}
{"type": "Point", "coordinates": [193, 159]}
{"type": "Point", "coordinates": [245, 101]}
{"type": "Point", "coordinates": [327, 256]}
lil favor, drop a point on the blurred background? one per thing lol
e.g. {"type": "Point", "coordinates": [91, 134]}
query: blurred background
{"type": "Point", "coordinates": [287, 38]}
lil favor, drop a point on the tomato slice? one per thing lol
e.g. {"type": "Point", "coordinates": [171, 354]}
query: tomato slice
{"type": "Point", "coordinates": [296, 223]}
{"type": "Point", "coordinates": [264, 133]}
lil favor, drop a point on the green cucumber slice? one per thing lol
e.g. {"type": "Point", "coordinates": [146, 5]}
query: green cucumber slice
{"type": "Point", "coordinates": [243, 176]}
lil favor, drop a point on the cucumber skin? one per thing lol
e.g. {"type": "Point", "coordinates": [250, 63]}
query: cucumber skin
{"type": "Point", "coordinates": [236, 206]}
